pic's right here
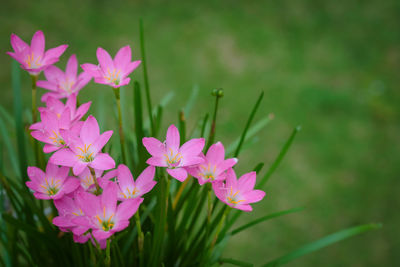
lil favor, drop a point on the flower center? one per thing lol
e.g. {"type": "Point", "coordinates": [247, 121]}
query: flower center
{"type": "Point", "coordinates": [33, 62]}
{"type": "Point", "coordinates": [173, 159]}
{"type": "Point", "coordinates": [86, 155]}
{"type": "Point", "coordinates": [207, 173]}
{"type": "Point", "coordinates": [233, 197]}
{"type": "Point", "coordinates": [106, 223]}
{"type": "Point", "coordinates": [88, 181]}
{"type": "Point", "coordinates": [129, 193]}
{"type": "Point", "coordinates": [113, 77]}
{"type": "Point", "coordinates": [57, 139]}
{"type": "Point", "coordinates": [51, 188]}
{"type": "Point", "coordinates": [67, 86]}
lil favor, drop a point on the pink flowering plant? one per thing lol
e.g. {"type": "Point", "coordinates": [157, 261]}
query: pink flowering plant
{"type": "Point", "coordinates": [74, 195]}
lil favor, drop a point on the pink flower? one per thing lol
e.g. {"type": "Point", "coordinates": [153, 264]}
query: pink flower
{"type": "Point", "coordinates": [214, 165]}
{"type": "Point", "coordinates": [53, 184]}
{"type": "Point", "coordinates": [68, 210]}
{"type": "Point", "coordinates": [51, 127]}
{"type": "Point", "coordinates": [103, 215]}
{"type": "Point", "coordinates": [33, 58]}
{"type": "Point", "coordinates": [112, 72]}
{"type": "Point", "coordinates": [57, 107]}
{"type": "Point", "coordinates": [87, 180]}
{"type": "Point", "coordinates": [128, 188]}
{"type": "Point", "coordinates": [85, 150]}
{"type": "Point", "coordinates": [62, 84]}
{"type": "Point", "coordinates": [238, 193]}
{"type": "Point", "coordinates": [170, 155]}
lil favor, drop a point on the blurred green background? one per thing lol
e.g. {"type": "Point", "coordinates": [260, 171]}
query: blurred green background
{"type": "Point", "coordinates": [331, 66]}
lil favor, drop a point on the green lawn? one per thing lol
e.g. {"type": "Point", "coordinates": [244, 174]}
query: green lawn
{"type": "Point", "coordinates": [331, 66]}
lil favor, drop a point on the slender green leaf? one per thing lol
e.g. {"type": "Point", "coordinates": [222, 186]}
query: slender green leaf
{"type": "Point", "coordinates": [10, 150]}
{"type": "Point", "coordinates": [263, 219]}
{"type": "Point", "coordinates": [321, 243]}
{"type": "Point", "coordinates": [145, 76]}
{"type": "Point", "coordinates": [278, 160]}
{"type": "Point", "coordinates": [139, 127]}
{"type": "Point", "coordinates": [19, 127]}
{"type": "Point", "coordinates": [250, 133]}
{"type": "Point", "coordinates": [246, 128]}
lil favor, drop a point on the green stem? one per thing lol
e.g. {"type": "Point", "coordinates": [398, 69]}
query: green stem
{"type": "Point", "coordinates": [107, 260]}
{"type": "Point", "coordinates": [121, 132]}
{"type": "Point", "coordinates": [140, 238]}
{"type": "Point", "coordinates": [34, 118]}
{"type": "Point", "coordinates": [93, 173]}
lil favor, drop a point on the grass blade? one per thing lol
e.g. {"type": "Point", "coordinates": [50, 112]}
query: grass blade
{"type": "Point", "coordinates": [263, 219]}
{"type": "Point", "coordinates": [321, 243]}
{"type": "Point", "coordinates": [278, 160]}
{"type": "Point", "coordinates": [19, 127]}
{"type": "Point", "coordinates": [139, 126]}
{"type": "Point", "coordinates": [246, 128]}
{"type": "Point", "coordinates": [145, 76]}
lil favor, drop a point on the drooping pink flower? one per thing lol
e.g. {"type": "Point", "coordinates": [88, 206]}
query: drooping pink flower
{"type": "Point", "coordinates": [33, 58]}
{"type": "Point", "coordinates": [169, 154]}
{"type": "Point", "coordinates": [102, 214]}
{"type": "Point", "coordinates": [128, 188]}
{"type": "Point", "coordinates": [53, 184]}
{"type": "Point", "coordinates": [63, 84]}
{"type": "Point", "coordinates": [214, 165]}
{"type": "Point", "coordinates": [112, 72]}
{"type": "Point", "coordinates": [240, 193]}
{"type": "Point", "coordinates": [85, 150]}
{"type": "Point", "coordinates": [58, 108]}
{"type": "Point", "coordinates": [51, 127]}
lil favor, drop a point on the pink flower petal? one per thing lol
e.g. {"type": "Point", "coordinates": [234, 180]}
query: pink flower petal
{"type": "Point", "coordinates": [91, 69]}
{"type": "Point", "coordinates": [46, 85]}
{"type": "Point", "coordinates": [17, 44]}
{"type": "Point", "coordinates": [72, 68]}
{"type": "Point", "coordinates": [101, 141]}
{"type": "Point", "coordinates": [216, 153]}
{"type": "Point", "coordinates": [123, 57]}
{"type": "Point", "coordinates": [247, 182]}
{"type": "Point", "coordinates": [104, 59]}
{"type": "Point", "coordinates": [254, 196]}
{"type": "Point", "coordinates": [37, 44]}
{"type": "Point", "coordinates": [127, 208]}
{"type": "Point", "coordinates": [55, 52]}
{"type": "Point", "coordinates": [99, 234]}
{"type": "Point", "coordinates": [173, 139]}
{"type": "Point", "coordinates": [103, 162]}
{"type": "Point", "coordinates": [78, 167]}
{"type": "Point", "coordinates": [157, 161]}
{"type": "Point", "coordinates": [154, 146]}
{"type": "Point", "coordinates": [90, 130]}
{"type": "Point", "coordinates": [125, 178]}
{"type": "Point", "coordinates": [145, 180]}
{"type": "Point", "coordinates": [180, 174]}
{"type": "Point", "coordinates": [131, 67]}
{"type": "Point", "coordinates": [109, 197]}
{"type": "Point", "coordinates": [64, 157]}
{"type": "Point", "coordinates": [192, 147]}
{"type": "Point", "coordinates": [70, 185]}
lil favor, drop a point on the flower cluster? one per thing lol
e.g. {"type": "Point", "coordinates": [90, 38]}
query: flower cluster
{"type": "Point", "coordinates": [93, 198]}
